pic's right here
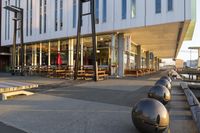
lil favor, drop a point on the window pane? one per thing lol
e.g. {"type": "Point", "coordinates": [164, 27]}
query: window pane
{"type": "Point", "coordinates": [104, 10]}
{"type": "Point", "coordinates": [40, 19]}
{"type": "Point", "coordinates": [158, 6]}
{"type": "Point", "coordinates": [133, 8]}
{"type": "Point", "coordinates": [61, 14]}
{"type": "Point", "coordinates": [56, 15]}
{"type": "Point", "coordinates": [170, 5]}
{"type": "Point", "coordinates": [45, 16]}
{"type": "Point", "coordinates": [124, 7]}
{"type": "Point", "coordinates": [27, 16]}
{"type": "Point", "coordinates": [74, 13]}
{"type": "Point", "coordinates": [97, 11]}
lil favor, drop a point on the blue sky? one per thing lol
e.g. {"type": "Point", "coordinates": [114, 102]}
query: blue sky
{"type": "Point", "coordinates": [184, 52]}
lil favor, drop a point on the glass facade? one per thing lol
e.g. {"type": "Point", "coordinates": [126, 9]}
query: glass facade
{"type": "Point", "coordinates": [124, 9]}
{"type": "Point", "coordinates": [158, 6]}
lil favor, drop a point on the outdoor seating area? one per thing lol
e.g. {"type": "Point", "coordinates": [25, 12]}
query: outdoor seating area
{"type": "Point", "coordinates": [139, 72]}
{"type": "Point", "coordinates": [65, 72]}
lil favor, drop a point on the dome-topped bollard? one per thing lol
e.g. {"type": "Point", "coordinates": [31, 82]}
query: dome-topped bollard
{"type": "Point", "coordinates": [160, 93]}
{"type": "Point", "coordinates": [167, 78]}
{"type": "Point", "coordinates": [150, 116]}
{"type": "Point", "coordinates": [165, 83]}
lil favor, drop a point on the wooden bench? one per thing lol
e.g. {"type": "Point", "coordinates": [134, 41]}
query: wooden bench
{"type": "Point", "coordinates": [135, 73]}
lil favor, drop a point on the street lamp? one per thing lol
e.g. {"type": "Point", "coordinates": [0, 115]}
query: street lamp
{"type": "Point", "coordinates": [18, 17]}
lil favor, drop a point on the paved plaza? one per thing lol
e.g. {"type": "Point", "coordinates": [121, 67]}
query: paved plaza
{"type": "Point", "coordinates": [66, 106]}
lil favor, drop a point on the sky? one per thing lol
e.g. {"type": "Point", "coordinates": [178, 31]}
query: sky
{"type": "Point", "coordinates": [185, 53]}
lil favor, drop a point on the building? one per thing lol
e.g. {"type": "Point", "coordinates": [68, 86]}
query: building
{"type": "Point", "coordinates": [4, 56]}
{"type": "Point", "coordinates": [131, 34]}
{"type": "Point", "coordinates": [179, 64]}
{"type": "Point", "coordinates": [192, 63]}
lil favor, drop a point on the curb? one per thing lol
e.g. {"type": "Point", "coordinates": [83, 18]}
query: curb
{"type": "Point", "coordinates": [193, 103]}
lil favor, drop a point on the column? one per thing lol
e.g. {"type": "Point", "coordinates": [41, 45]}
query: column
{"type": "Point", "coordinates": [121, 55]}
{"type": "Point", "coordinates": [40, 54]}
{"type": "Point", "coordinates": [58, 51]}
{"type": "Point", "coordinates": [18, 53]}
{"type": "Point", "coordinates": [71, 54]}
{"type": "Point", "coordinates": [58, 46]}
{"type": "Point", "coordinates": [128, 49]}
{"type": "Point", "coordinates": [113, 56]}
{"type": "Point", "coordinates": [35, 55]}
{"type": "Point", "coordinates": [82, 53]}
{"type": "Point", "coordinates": [148, 59]}
{"type": "Point", "coordinates": [49, 54]}
{"type": "Point", "coordinates": [152, 62]}
{"type": "Point", "coordinates": [156, 63]}
{"type": "Point", "coordinates": [24, 55]}
{"type": "Point", "coordinates": [198, 65]}
{"type": "Point", "coordinates": [138, 57]}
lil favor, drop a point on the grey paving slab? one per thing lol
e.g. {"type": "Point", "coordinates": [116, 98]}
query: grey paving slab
{"type": "Point", "coordinates": [44, 113]}
{"type": "Point", "coordinates": [9, 129]}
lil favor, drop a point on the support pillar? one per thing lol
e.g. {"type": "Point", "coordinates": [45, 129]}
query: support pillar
{"type": "Point", "coordinates": [198, 65]}
{"type": "Point", "coordinates": [113, 56]}
{"type": "Point", "coordinates": [18, 56]}
{"type": "Point", "coordinates": [128, 49]}
{"type": "Point", "coordinates": [138, 57]}
{"type": "Point", "coordinates": [81, 53]}
{"type": "Point", "coordinates": [156, 63]}
{"type": "Point", "coordinates": [49, 54]}
{"type": "Point", "coordinates": [148, 59]}
{"type": "Point", "coordinates": [71, 54]}
{"type": "Point", "coordinates": [40, 54]}
{"type": "Point", "coordinates": [24, 55]}
{"type": "Point", "coordinates": [121, 55]}
{"type": "Point", "coordinates": [35, 55]}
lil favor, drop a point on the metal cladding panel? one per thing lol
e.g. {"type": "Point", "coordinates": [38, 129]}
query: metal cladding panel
{"type": "Point", "coordinates": [145, 16]}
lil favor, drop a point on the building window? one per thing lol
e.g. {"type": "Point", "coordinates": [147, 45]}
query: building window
{"type": "Point", "coordinates": [124, 9]}
{"type": "Point", "coordinates": [97, 11]}
{"type": "Point", "coordinates": [6, 18]}
{"type": "Point", "coordinates": [56, 15]}
{"type": "Point", "coordinates": [61, 14]}
{"type": "Point", "coordinates": [158, 6]}
{"type": "Point", "coordinates": [15, 2]}
{"type": "Point", "coordinates": [104, 10]}
{"type": "Point", "coordinates": [8, 21]}
{"type": "Point", "coordinates": [133, 8]}
{"type": "Point", "coordinates": [27, 16]}
{"type": "Point", "coordinates": [19, 3]}
{"type": "Point", "coordinates": [74, 13]}
{"type": "Point", "coordinates": [31, 17]}
{"type": "Point", "coordinates": [45, 16]}
{"type": "Point", "coordinates": [170, 5]}
{"type": "Point", "coordinates": [40, 19]}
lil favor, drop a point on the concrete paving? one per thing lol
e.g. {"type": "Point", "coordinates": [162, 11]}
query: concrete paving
{"type": "Point", "coordinates": [87, 107]}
